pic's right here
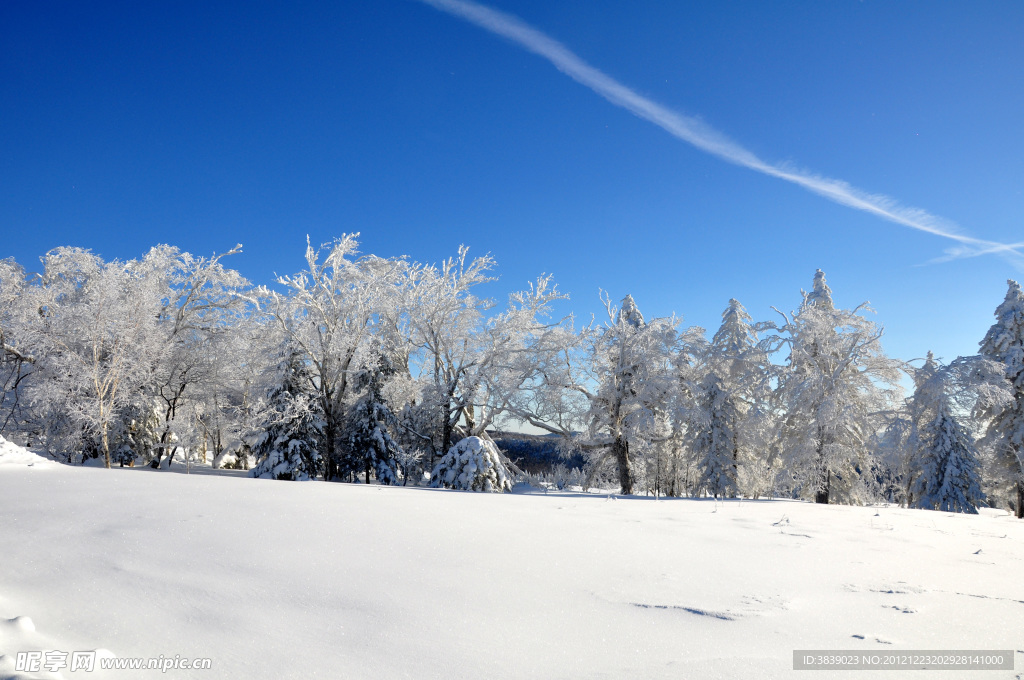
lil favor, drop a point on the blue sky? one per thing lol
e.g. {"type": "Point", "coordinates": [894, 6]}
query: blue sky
{"type": "Point", "coordinates": [123, 125]}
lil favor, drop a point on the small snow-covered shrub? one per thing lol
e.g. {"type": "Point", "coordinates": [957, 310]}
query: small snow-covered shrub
{"type": "Point", "coordinates": [473, 464]}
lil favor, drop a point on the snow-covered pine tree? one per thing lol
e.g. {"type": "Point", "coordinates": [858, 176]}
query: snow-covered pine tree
{"type": "Point", "coordinates": [715, 440]}
{"type": "Point", "coordinates": [137, 434]}
{"type": "Point", "coordinates": [935, 430]}
{"type": "Point", "coordinates": [734, 346]}
{"type": "Point", "coordinates": [742, 372]}
{"type": "Point", "coordinates": [837, 383]}
{"type": "Point", "coordinates": [1004, 343]}
{"type": "Point", "coordinates": [948, 479]}
{"type": "Point", "coordinates": [901, 442]}
{"type": "Point", "coordinates": [472, 464]}
{"type": "Point", "coordinates": [370, 446]}
{"type": "Point", "coordinates": [288, 447]}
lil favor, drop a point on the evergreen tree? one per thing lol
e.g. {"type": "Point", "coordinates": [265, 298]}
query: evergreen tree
{"type": "Point", "coordinates": [903, 437]}
{"type": "Point", "coordinates": [137, 434]}
{"type": "Point", "coordinates": [1004, 343]}
{"type": "Point", "coordinates": [837, 382]}
{"type": "Point", "coordinates": [370, 445]}
{"type": "Point", "coordinates": [288, 447]}
{"type": "Point", "coordinates": [744, 371]}
{"type": "Point", "coordinates": [734, 346]}
{"type": "Point", "coordinates": [715, 443]}
{"type": "Point", "coordinates": [941, 467]}
{"type": "Point", "coordinates": [949, 479]}
{"type": "Point", "coordinates": [473, 464]}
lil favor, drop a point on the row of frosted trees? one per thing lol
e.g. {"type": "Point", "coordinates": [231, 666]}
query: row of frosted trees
{"type": "Point", "coordinates": [375, 369]}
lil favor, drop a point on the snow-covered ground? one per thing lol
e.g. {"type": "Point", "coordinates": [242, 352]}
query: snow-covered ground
{"type": "Point", "coordinates": [11, 454]}
{"type": "Point", "coordinates": [312, 580]}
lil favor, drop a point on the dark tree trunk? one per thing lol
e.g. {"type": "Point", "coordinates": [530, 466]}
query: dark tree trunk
{"type": "Point", "coordinates": [824, 474]}
{"type": "Point", "coordinates": [1020, 500]}
{"type": "Point", "coordinates": [446, 436]}
{"type": "Point", "coordinates": [447, 427]}
{"type": "Point", "coordinates": [821, 495]}
{"type": "Point", "coordinates": [331, 464]}
{"type": "Point", "coordinates": [161, 448]}
{"type": "Point", "coordinates": [620, 449]}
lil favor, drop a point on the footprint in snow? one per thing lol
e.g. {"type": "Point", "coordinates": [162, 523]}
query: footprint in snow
{"type": "Point", "coordinates": [763, 604]}
{"type": "Point", "coordinates": [721, 616]}
{"type": "Point", "coordinates": [878, 640]}
{"type": "Point", "coordinates": [899, 588]}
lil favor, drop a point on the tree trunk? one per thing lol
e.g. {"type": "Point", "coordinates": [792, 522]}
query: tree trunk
{"type": "Point", "coordinates": [446, 436]}
{"type": "Point", "coordinates": [331, 464]}
{"type": "Point", "coordinates": [1020, 499]}
{"type": "Point", "coordinates": [620, 449]}
{"type": "Point", "coordinates": [824, 474]}
{"type": "Point", "coordinates": [446, 425]}
{"type": "Point", "coordinates": [160, 449]}
{"type": "Point", "coordinates": [821, 495]}
{"type": "Point", "coordinates": [107, 453]}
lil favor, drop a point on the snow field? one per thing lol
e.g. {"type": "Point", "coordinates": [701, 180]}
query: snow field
{"type": "Point", "coordinates": [289, 579]}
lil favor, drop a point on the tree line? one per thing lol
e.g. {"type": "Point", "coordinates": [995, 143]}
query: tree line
{"type": "Point", "coordinates": [362, 368]}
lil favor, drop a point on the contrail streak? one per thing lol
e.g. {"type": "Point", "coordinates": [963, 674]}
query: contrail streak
{"type": "Point", "coordinates": [708, 139]}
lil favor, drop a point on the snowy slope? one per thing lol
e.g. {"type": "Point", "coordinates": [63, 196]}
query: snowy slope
{"type": "Point", "coordinates": [314, 580]}
{"type": "Point", "coordinates": [12, 454]}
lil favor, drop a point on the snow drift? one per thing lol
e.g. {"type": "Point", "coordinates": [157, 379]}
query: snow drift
{"type": "Point", "coordinates": [12, 454]}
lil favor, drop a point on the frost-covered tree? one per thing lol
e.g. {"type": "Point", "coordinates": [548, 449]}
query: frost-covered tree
{"type": "Point", "coordinates": [715, 439]}
{"type": "Point", "coordinates": [737, 355]}
{"type": "Point", "coordinates": [725, 405]}
{"type": "Point", "coordinates": [293, 426]}
{"type": "Point", "coordinates": [330, 313]}
{"type": "Point", "coordinates": [473, 362]}
{"type": "Point", "coordinates": [945, 410]}
{"type": "Point", "coordinates": [607, 389]}
{"type": "Point", "coordinates": [837, 384]}
{"type": "Point", "coordinates": [943, 466]}
{"type": "Point", "coordinates": [201, 303]}
{"type": "Point", "coordinates": [949, 472]}
{"type": "Point", "coordinates": [136, 433]}
{"type": "Point", "coordinates": [1004, 343]}
{"type": "Point", "coordinates": [18, 333]}
{"type": "Point", "coordinates": [97, 328]}
{"type": "Point", "coordinates": [632, 361]}
{"type": "Point", "coordinates": [472, 464]}
{"type": "Point", "coordinates": [370, 446]}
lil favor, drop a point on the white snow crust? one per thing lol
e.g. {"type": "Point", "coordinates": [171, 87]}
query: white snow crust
{"type": "Point", "coordinates": [321, 580]}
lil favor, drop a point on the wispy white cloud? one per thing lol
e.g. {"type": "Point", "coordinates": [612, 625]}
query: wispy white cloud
{"type": "Point", "coordinates": [706, 138]}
